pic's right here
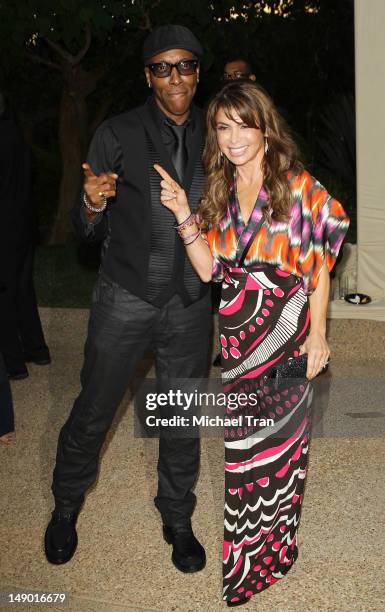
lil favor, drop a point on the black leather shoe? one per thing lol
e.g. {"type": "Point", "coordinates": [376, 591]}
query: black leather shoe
{"type": "Point", "coordinates": [188, 554]}
{"type": "Point", "coordinates": [18, 374]}
{"type": "Point", "coordinates": [61, 538]}
{"type": "Point", "coordinates": [37, 359]}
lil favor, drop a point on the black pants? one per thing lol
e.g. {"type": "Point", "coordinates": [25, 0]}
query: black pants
{"type": "Point", "coordinates": [121, 328]}
{"type": "Point", "coordinates": [7, 421]}
{"type": "Point", "coordinates": [20, 326]}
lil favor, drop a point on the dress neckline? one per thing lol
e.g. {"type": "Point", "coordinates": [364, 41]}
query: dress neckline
{"type": "Point", "coordinates": [241, 228]}
{"type": "Point", "coordinates": [240, 215]}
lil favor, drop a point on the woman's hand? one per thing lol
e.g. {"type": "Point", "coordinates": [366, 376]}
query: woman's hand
{"type": "Point", "coordinates": [318, 353]}
{"type": "Point", "coordinates": [315, 346]}
{"type": "Point", "coordinates": [173, 196]}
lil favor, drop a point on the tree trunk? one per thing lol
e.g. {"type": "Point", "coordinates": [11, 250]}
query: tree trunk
{"type": "Point", "coordinates": [72, 151]}
{"type": "Point", "coordinates": [73, 142]}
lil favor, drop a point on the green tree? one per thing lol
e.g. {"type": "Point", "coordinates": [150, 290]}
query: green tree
{"type": "Point", "coordinates": [75, 46]}
{"type": "Point", "coordinates": [69, 64]}
{"type": "Point", "coordinates": [81, 48]}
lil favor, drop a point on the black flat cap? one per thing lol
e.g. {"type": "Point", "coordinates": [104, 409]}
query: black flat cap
{"type": "Point", "coordinates": [168, 37]}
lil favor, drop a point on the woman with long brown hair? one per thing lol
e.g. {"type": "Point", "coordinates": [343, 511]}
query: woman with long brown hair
{"type": "Point", "coordinates": [271, 233]}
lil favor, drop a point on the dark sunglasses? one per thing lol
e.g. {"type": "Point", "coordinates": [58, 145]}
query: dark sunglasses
{"type": "Point", "coordinates": [163, 69]}
{"type": "Point", "coordinates": [232, 76]}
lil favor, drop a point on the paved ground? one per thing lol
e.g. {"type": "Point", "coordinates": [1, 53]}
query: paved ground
{"type": "Point", "coordinates": [122, 562]}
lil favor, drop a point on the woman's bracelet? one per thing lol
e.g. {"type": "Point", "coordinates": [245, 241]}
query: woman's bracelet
{"type": "Point", "coordinates": [188, 221]}
{"type": "Point", "coordinates": [186, 227]}
{"type": "Point", "coordinates": [93, 209]}
{"type": "Point", "coordinates": [184, 238]}
{"type": "Point", "coordinates": [193, 240]}
{"type": "Point", "coordinates": [192, 227]}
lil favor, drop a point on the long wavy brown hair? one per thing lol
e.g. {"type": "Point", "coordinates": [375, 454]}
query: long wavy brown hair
{"type": "Point", "coordinates": [256, 109]}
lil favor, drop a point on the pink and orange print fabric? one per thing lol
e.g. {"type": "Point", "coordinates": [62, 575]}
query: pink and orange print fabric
{"type": "Point", "coordinates": [312, 235]}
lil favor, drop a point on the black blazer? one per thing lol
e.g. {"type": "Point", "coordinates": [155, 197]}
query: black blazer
{"type": "Point", "coordinates": [126, 225]}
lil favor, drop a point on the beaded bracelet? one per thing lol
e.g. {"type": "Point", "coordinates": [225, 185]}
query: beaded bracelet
{"type": "Point", "coordinates": [192, 225]}
{"type": "Point", "coordinates": [185, 228]}
{"type": "Point", "coordinates": [184, 238]}
{"type": "Point", "coordinates": [196, 238]}
{"type": "Point", "coordinates": [93, 208]}
{"type": "Point", "coordinates": [180, 226]}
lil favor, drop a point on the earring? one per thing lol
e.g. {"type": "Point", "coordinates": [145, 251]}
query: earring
{"type": "Point", "coordinates": [220, 157]}
{"type": "Point", "coordinates": [266, 141]}
{"type": "Point", "coordinates": [149, 84]}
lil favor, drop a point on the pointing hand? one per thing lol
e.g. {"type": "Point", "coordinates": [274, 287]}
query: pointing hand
{"type": "Point", "coordinates": [96, 186]}
{"type": "Point", "coordinates": [172, 195]}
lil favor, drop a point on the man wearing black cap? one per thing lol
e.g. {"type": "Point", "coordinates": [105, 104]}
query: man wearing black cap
{"type": "Point", "coordinates": [147, 294]}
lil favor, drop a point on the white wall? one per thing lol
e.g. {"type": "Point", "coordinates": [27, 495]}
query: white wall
{"type": "Point", "coordinates": [370, 108]}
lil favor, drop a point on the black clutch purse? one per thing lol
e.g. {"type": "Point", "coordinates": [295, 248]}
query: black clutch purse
{"type": "Point", "coordinates": [293, 369]}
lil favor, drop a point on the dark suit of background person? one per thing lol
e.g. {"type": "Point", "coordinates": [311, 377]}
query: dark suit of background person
{"type": "Point", "coordinates": [7, 421]}
{"type": "Point", "coordinates": [147, 295]}
{"type": "Point", "coordinates": [21, 334]}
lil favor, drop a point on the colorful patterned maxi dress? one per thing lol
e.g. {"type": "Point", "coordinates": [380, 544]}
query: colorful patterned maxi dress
{"type": "Point", "coordinates": [268, 270]}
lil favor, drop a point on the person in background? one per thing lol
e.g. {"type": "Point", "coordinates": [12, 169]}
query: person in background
{"type": "Point", "coordinates": [238, 68]}
{"type": "Point", "coordinates": [7, 421]}
{"type": "Point", "coordinates": [21, 334]}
